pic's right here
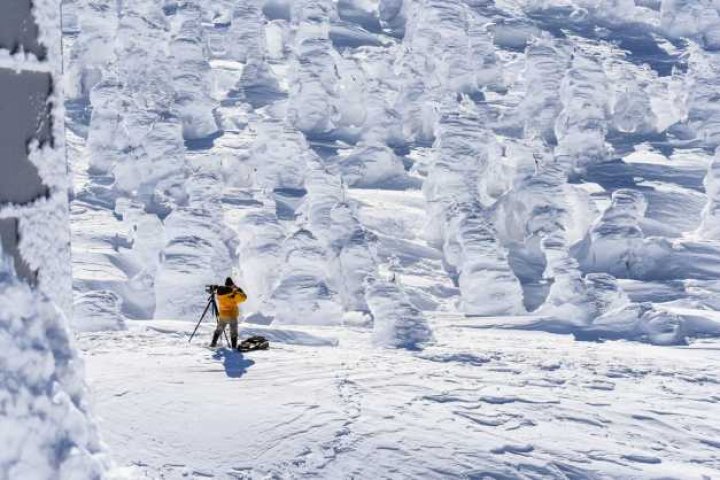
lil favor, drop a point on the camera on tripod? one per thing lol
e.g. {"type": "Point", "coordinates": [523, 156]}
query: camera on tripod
{"type": "Point", "coordinates": [211, 289]}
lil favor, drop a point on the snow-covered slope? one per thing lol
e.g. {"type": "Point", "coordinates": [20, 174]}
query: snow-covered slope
{"type": "Point", "coordinates": [551, 141]}
{"type": "Point", "coordinates": [400, 186]}
{"type": "Point", "coordinates": [322, 403]}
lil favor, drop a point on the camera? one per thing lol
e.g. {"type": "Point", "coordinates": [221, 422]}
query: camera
{"type": "Point", "coordinates": [211, 288]}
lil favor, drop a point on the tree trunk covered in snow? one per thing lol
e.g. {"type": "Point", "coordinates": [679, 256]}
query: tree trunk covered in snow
{"type": "Point", "coordinates": [45, 429]}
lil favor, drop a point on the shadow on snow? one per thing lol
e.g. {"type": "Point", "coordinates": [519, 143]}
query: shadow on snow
{"type": "Point", "coordinates": [234, 362]}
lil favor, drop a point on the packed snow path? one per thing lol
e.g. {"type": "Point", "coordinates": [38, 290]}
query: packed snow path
{"type": "Point", "coordinates": [480, 404]}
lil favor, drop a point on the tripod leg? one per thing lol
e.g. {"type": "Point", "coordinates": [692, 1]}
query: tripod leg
{"type": "Point", "coordinates": [213, 342]}
{"type": "Point", "coordinates": [211, 302]}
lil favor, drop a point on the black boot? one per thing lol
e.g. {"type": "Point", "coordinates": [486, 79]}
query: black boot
{"type": "Point", "coordinates": [233, 341]}
{"type": "Point", "coordinates": [214, 341]}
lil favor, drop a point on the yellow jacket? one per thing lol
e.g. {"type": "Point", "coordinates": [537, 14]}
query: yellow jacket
{"type": "Point", "coordinates": [228, 299]}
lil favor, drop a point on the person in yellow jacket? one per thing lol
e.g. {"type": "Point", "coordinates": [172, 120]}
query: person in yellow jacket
{"type": "Point", "coordinates": [228, 299]}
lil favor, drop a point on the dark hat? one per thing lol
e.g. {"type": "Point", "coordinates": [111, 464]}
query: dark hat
{"type": "Point", "coordinates": [229, 282]}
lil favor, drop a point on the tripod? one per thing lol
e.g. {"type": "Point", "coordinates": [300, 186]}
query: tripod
{"type": "Point", "coordinates": [213, 304]}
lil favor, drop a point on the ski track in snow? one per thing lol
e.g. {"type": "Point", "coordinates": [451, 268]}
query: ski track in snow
{"type": "Point", "coordinates": [479, 404]}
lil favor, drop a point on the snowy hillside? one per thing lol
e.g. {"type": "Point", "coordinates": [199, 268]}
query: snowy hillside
{"type": "Point", "coordinates": [552, 158]}
{"type": "Point", "coordinates": [400, 186]}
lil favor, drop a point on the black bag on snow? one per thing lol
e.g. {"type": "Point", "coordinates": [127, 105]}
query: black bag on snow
{"type": "Point", "coordinates": [254, 343]}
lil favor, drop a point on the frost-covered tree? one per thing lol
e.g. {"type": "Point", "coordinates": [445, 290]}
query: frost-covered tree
{"type": "Point", "coordinates": [191, 72]}
{"type": "Point", "coordinates": [457, 193]}
{"type": "Point", "coordinates": [245, 38]}
{"type": "Point", "coordinates": [697, 19]}
{"type": "Point", "coordinates": [377, 89]}
{"type": "Point", "coordinates": [46, 430]}
{"type": "Point", "coordinates": [545, 66]}
{"type": "Point", "coordinates": [331, 218]}
{"type": "Point", "coordinates": [303, 292]}
{"type": "Point", "coordinates": [710, 226]}
{"type": "Point", "coordinates": [487, 284]}
{"type": "Point", "coordinates": [614, 243]}
{"type": "Point", "coordinates": [397, 322]}
{"type": "Point", "coordinates": [196, 252]}
{"type": "Point", "coordinates": [314, 74]}
{"type": "Point", "coordinates": [278, 155]}
{"type": "Point", "coordinates": [546, 231]}
{"type": "Point", "coordinates": [703, 111]}
{"type": "Point", "coordinates": [259, 250]}
{"type": "Point", "coordinates": [370, 164]}
{"type": "Point", "coordinates": [93, 51]}
{"type": "Point", "coordinates": [581, 126]}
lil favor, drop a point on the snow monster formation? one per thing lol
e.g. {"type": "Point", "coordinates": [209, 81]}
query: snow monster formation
{"type": "Point", "coordinates": [45, 427]}
{"type": "Point", "coordinates": [528, 161]}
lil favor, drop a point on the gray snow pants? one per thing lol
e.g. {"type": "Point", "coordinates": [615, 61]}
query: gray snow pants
{"type": "Point", "coordinates": [223, 322]}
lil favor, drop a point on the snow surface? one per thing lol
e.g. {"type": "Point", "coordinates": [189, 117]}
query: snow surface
{"type": "Point", "coordinates": [483, 404]}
